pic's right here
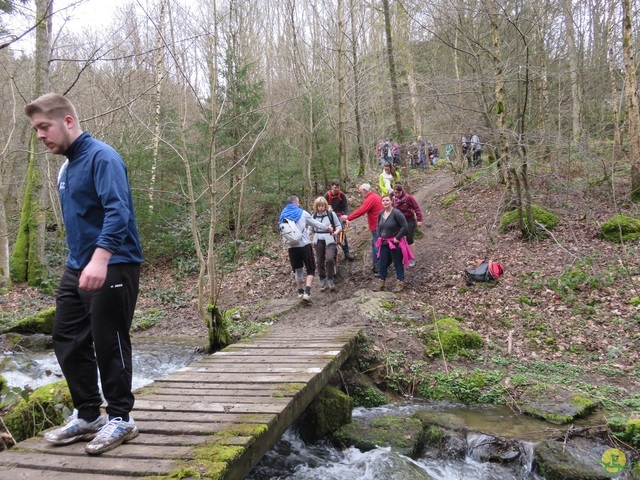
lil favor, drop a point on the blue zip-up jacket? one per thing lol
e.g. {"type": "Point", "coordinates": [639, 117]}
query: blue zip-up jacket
{"type": "Point", "coordinates": [96, 202]}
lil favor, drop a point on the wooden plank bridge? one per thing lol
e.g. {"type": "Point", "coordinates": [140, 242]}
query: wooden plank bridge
{"type": "Point", "coordinates": [215, 418]}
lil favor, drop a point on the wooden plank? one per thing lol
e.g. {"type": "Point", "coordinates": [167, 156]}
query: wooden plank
{"type": "Point", "coordinates": [79, 464]}
{"type": "Point", "coordinates": [248, 357]}
{"type": "Point", "coordinates": [183, 406]}
{"type": "Point", "coordinates": [240, 387]}
{"type": "Point", "coordinates": [200, 417]}
{"type": "Point", "coordinates": [189, 440]}
{"type": "Point", "coordinates": [184, 428]}
{"type": "Point", "coordinates": [235, 377]}
{"type": "Point", "coordinates": [129, 450]}
{"type": "Point", "coordinates": [251, 368]}
{"type": "Point", "coordinates": [206, 390]}
{"type": "Point", "coordinates": [38, 474]}
{"type": "Point", "coordinates": [219, 399]}
{"type": "Point", "coordinates": [302, 352]}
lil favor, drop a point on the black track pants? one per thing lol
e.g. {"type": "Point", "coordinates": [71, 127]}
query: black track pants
{"type": "Point", "coordinates": [91, 332]}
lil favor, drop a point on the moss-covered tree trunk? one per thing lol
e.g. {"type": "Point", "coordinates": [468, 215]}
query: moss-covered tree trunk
{"type": "Point", "coordinates": [219, 336]}
{"type": "Point", "coordinates": [27, 260]}
{"type": "Point", "coordinates": [631, 93]}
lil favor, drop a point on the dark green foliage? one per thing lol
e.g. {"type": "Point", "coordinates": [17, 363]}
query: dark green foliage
{"type": "Point", "coordinates": [47, 406]}
{"type": "Point", "coordinates": [509, 220]}
{"type": "Point", "coordinates": [621, 229]}
{"type": "Point", "coordinates": [476, 386]}
{"type": "Point", "coordinates": [41, 322]}
{"type": "Point", "coordinates": [447, 336]}
{"type": "Point", "coordinates": [368, 397]}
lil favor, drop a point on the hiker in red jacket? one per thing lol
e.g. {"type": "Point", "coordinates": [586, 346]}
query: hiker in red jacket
{"type": "Point", "coordinates": [371, 205]}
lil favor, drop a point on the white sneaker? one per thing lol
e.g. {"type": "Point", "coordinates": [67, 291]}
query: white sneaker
{"type": "Point", "coordinates": [306, 297]}
{"type": "Point", "coordinates": [75, 430]}
{"type": "Point", "coordinates": [111, 435]}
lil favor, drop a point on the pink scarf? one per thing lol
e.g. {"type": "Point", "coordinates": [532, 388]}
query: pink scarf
{"type": "Point", "coordinates": [407, 254]}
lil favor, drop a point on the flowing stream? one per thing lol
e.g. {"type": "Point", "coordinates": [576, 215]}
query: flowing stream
{"type": "Point", "coordinates": [292, 459]}
{"type": "Point", "coordinates": [152, 359]}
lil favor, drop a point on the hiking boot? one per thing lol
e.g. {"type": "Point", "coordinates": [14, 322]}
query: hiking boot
{"type": "Point", "coordinates": [306, 297]}
{"type": "Point", "coordinates": [323, 284]}
{"type": "Point", "coordinates": [114, 433]}
{"type": "Point", "coordinates": [399, 286]}
{"type": "Point", "coordinates": [375, 269]}
{"type": "Point", "coordinates": [75, 430]}
{"type": "Point", "coordinates": [379, 286]}
{"type": "Point", "coordinates": [350, 256]}
{"type": "Point", "coordinates": [412, 263]}
{"type": "Point", "coordinates": [332, 285]}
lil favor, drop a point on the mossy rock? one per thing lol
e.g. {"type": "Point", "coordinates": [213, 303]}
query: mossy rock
{"type": "Point", "coordinates": [627, 430]}
{"type": "Point", "coordinates": [577, 459]}
{"type": "Point", "coordinates": [403, 435]}
{"type": "Point", "coordinates": [330, 410]}
{"type": "Point", "coordinates": [41, 322]}
{"type": "Point", "coordinates": [46, 407]}
{"type": "Point", "coordinates": [3, 383]}
{"type": "Point", "coordinates": [621, 229]}
{"type": "Point", "coordinates": [555, 404]}
{"type": "Point", "coordinates": [451, 338]}
{"type": "Point", "coordinates": [509, 220]}
{"type": "Point", "coordinates": [444, 420]}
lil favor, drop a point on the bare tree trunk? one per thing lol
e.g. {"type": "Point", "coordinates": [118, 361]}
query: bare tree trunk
{"type": "Point", "coordinates": [574, 67]}
{"type": "Point", "coordinates": [392, 72]}
{"type": "Point", "coordinates": [617, 138]}
{"type": "Point", "coordinates": [362, 160]}
{"type": "Point", "coordinates": [501, 104]}
{"type": "Point", "coordinates": [631, 93]}
{"type": "Point", "coordinates": [342, 98]}
{"type": "Point", "coordinates": [156, 127]}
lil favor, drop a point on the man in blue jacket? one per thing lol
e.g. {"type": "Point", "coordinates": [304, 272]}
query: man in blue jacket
{"type": "Point", "coordinates": [99, 287]}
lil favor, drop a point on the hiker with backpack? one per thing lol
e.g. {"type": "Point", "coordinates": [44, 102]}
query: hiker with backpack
{"type": "Point", "coordinates": [476, 150]}
{"type": "Point", "coordinates": [298, 243]}
{"type": "Point", "coordinates": [388, 179]}
{"type": "Point", "coordinates": [338, 202]}
{"type": "Point", "coordinates": [412, 212]}
{"type": "Point", "coordinates": [325, 243]}
{"type": "Point", "coordinates": [391, 244]}
{"type": "Point", "coordinates": [371, 206]}
{"type": "Point", "coordinates": [466, 150]}
{"type": "Point", "coordinates": [422, 152]}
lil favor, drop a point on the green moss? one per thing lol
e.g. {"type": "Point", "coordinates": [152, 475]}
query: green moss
{"type": "Point", "coordinates": [3, 383]}
{"type": "Point", "coordinates": [368, 397]}
{"type": "Point", "coordinates": [448, 200]}
{"type": "Point", "coordinates": [434, 436]}
{"type": "Point", "coordinates": [635, 301]}
{"type": "Point", "coordinates": [448, 336]}
{"type": "Point", "coordinates": [509, 220]}
{"type": "Point", "coordinates": [289, 388]}
{"type": "Point", "coordinates": [621, 229]}
{"type": "Point", "coordinates": [41, 322]}
{"type": "Point", "coordinates": [627, 430]}
{"type": "Point", "coordinates": [45, 407]}
{"type": "Point", "coordinates": [330, 410]}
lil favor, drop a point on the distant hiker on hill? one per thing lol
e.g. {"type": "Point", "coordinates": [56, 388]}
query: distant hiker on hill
{"type": "Point", "coordinates": [422, 152]}
{"type": "Point", "coordinates": [408, 206]}
{"type": "Point", "coordinates": [340, 205]}
{"type": "Point", "coordinates": [388, 178]}
{"type": "Point", "coordinates": [300, 253]}
{"type": "Point", "coordinates": [371, 206]}
{"type": "Point", "coordinates": [391, 244]}
{"type": "Point", "coordinates": [325, 243]}
{"type": "Point", "coordinates": [466, 150]}
{"type": "Point", "coordinates": [476, 150]}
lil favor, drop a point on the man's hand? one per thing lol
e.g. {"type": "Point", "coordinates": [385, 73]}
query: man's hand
{"type": "Point", "coordinates": [419, 224]}
{"type": "Point", "coordinates": [95, 273]}
{"type": "Point", "coordinates": [330, 229]}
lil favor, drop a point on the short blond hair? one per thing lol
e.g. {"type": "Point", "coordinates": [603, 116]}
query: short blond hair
{"type": "Point", "coordinates": [321, 201]}
{"type": "Point", "coordinates": [51, 105]}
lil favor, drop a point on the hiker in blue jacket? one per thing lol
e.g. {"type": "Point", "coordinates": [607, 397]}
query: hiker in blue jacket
{"type": "Point", "coordinates": [99, 287]}
{"type": "Point", "coordinates": [301, 254]}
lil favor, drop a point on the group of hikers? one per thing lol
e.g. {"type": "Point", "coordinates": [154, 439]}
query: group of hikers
{"type": "Point", "coordinates": [392, 218]}
{"type": "Point", "coordinates": [422, 152]}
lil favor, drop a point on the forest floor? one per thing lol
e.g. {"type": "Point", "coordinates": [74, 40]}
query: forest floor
{"type": "Point", "coordinates": [562, 313]}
